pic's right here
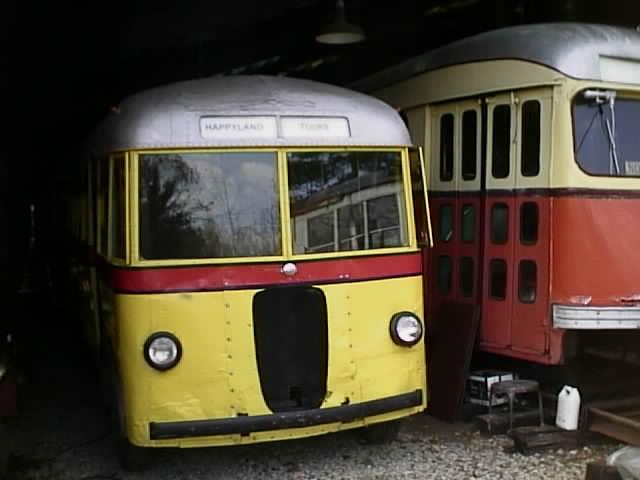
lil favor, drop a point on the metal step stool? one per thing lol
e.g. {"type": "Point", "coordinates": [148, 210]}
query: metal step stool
{"type": "Point", "coordinates": [511, 388]}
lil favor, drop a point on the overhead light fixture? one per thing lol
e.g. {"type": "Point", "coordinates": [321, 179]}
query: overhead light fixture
{"type": "Point", "coordinates": [340, 32]}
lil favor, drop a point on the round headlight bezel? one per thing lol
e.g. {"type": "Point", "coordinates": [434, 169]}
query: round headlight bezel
{"type": "Point", "coordinates": [156, 336]}
{"type": "Point", "coordinates": [395, 335]}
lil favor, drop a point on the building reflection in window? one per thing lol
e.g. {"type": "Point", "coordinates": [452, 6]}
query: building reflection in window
{"type": "Point", "coordinates": [346, 201]}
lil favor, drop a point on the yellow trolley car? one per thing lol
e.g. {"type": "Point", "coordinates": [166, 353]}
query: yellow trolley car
{"type": "Point", "coordinates": [257, 270]}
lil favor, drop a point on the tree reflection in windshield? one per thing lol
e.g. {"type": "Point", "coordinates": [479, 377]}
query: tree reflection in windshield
{"type": "Point", "coordinates": [209, 205]}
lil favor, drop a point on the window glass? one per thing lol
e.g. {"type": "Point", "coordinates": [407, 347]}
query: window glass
{"type": "Point", "coordinates": [444, 274]}
{"type": "Point", "coordinates": [320, 231]}
{"type": "Point", "coordinates": [530, 155]}
{"type": "Point", "coordinates": [501, 141]}
{"type": "Point", "coordinates": [498, 279]}
{"type": "Point", "coordinates": [595, 152]}
{"type": "Point", "coordinates": [529, 223]}
{"type": "Point", "coordinates": [102, 203]}
{"type": "Point", "coordinates": [499, 223]}
{"type": "Point", "coordinates": [468, 223]}
{"type": "Point", "coordinates": [527, 280]}
{"type": "Point", "coordinates": [418, 191]}
{"type": "Point", "coordinates": [118, 206]}
{"type": "Point", "coordinates": [351, 227]}
{"type": "Point", "coordinates": [91, 201]}
{"type": "Point", "coordinates": [446, 147]}
{"type": "Point", "coordinates": [446, 223]}
{"type": "Point", "coordinates": [358, 194]}
{"type": "Point", "coordinates": [95, 205]}
{"type": "Point", "coordinates": [209, 205]}
{"type": "Point", "coordinates": [466, 276]}
{"type": "Point", "coordinates": [469, 144]}
{"type": "Point", "coordinates": [383, 222]}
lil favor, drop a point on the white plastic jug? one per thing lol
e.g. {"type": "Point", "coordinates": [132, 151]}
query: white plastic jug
{"type": "Point", "coordinates": [568, 408]}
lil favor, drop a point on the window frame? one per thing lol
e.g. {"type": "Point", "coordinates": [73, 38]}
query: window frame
{"type": "Point", "coordinates": [521, 264]}
{"type": "Point", "coordinates": [125, 223]}
{"type": "Point", "coordinates": [448, 157]}
{"type": "Point", "coordinates": [492, 223]}
{"type": "Point", "coordinates": [620, 92]}
{"type": "Point", "coordinates": [523, 141]}
{"type": "Point", "coordinates": [490, 282]}
{"type": "Point", "coordinates": [287, 236]}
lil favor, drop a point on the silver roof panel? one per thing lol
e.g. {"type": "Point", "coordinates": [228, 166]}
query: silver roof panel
{"type": "Point", "coordinates": [169, 116]}
{"type": "Point", "coordinates": [573, 49]}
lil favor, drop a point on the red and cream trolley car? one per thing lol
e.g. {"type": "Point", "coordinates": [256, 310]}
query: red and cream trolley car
{"type": "Point", "coordinates": [533, 134]}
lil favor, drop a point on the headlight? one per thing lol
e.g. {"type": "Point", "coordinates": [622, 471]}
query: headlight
{"type": "Point", "coordinates": [405, 329]}
{"type": "Point", "coordinates": [162, 350]}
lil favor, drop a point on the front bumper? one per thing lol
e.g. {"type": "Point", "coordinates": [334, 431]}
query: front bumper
{"type": "Point", "coordinates": [279, 421]}
{"type": "Point", "coordinates": [577, 317]}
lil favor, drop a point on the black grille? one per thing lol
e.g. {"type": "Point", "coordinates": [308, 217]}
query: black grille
{"type": "Point", "coordinates": [290, 329]}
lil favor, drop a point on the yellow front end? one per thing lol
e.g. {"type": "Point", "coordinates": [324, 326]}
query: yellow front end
{"type": "Point", "coordinates": [198, 245]}
{"type": "Point", "coordinates": [218, 378]}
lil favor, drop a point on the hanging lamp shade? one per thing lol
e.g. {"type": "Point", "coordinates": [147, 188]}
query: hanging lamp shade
{"type": "Point", "coordinates": [340, 32]}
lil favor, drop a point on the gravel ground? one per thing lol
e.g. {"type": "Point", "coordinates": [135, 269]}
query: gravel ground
{"type": "Point", "coordinates": [61, 435]}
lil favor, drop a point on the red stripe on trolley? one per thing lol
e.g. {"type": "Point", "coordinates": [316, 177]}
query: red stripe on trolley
{"type": "Point", "coordinates": [246, 276]}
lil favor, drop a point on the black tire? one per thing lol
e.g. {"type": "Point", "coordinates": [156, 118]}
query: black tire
{"type": "Point", "coordinates": [133, 458]}
{"type": "Point", "coordinates": [378, 433]}
{"type": "Point", "coordinates": [4, 451]}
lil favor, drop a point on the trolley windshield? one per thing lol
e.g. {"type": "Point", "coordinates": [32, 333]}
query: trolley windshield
{"type": "Point", "coordinates": [606, 133]}
{"type": "Point", "coordinates": [346, 201]}
{"type": "Point", "coordinates": [229, 204]}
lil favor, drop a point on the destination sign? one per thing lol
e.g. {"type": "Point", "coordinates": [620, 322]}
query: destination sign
{"type": "Point", "coordinates": [619, 70]}
{"type": "Point", "coordinates": [238, 127]}
{"type": "Point", "coordinates": [296, 127]}
{"type": "Point", "coordinates": [247, 127]}
{"type": "Point", "coordinates": [632, 168]}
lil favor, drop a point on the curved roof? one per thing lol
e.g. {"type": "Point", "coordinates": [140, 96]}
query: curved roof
{"type": "Point", "coordinates": [170, 116]}
{"type": "Point", "coordinates": [573, 49]}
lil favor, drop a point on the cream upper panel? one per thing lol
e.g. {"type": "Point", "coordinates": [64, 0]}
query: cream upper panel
{"type": "Point", "coordinates": [565, 171]}
{"type": "Point", "coordinates": [529, 136]}
{"type": "Point", "coordinates": [467, 80]}
{"type": "Point", "coordinates": [518, 138]}
{"type": "Point", "coordinates": [577, 50]}
{"type": "Point", "coordinates": [454, 153]}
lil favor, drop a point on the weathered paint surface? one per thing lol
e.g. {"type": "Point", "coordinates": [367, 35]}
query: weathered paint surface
{"type": "Point", "coordinates": [218, 375]}
{"type": "Point", "coordinates": [595, 250]}
{"type": "Point", "coordinates": [232, 277]}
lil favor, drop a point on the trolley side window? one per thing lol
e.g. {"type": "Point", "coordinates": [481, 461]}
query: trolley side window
{"type": "Point", "coordinates": [466, 276]}
{"type": "Point", "coordinates": [418, 190]}
{"type": "Point", "coordinates": [501, 142]}
{"type": "Point", "coordinates": [445, 224]}
{"type": "Point", "coordinates": [530, 154]}
{"type": "Point", "coordinates": [446, 147]}
{"type": "Point", "coordinates": [498, 279]}
{"type": "Point", "coordinates": [468, 222]}
{"type": "Point", "coordinates": [606, 133]}
{"type": "Point", "coordinates": [469, 144]}
{"type": "Point", "coordinates": [529, 215]}
{"type": "Point", "coordinates": [499, 223]}
{"type": "Point", "coordinates": [117, 208]}
{"type": "Point", "coordinates": [209, 205]}
{"type": "Point", "coordinates": [527, 281]}
{"type": "Point", "coordinates": [346, 201]}
{"type": "Point", "coordinates": [445, 274]}
{"type": "Point", "coordinates": [102, 203]}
